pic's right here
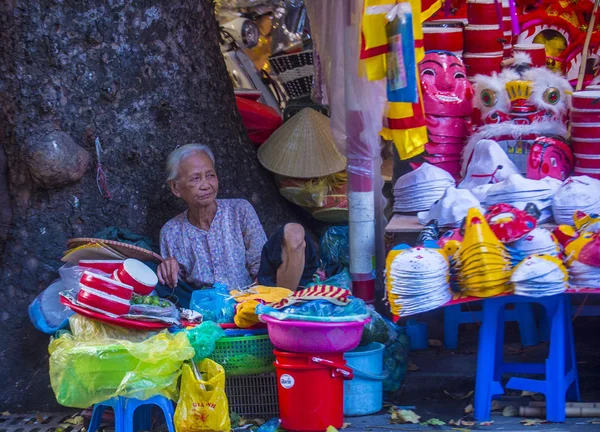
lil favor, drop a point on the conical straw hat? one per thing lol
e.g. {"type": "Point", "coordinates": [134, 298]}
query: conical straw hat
{"type": "Point", "coordinates": [302, 148]}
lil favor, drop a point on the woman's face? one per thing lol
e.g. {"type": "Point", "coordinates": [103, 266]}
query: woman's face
{"type": "Point", "coordinates": [197, 183]}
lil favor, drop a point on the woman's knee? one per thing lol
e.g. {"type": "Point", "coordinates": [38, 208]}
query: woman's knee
{"type": "Point", "coordinates": [293, 237]}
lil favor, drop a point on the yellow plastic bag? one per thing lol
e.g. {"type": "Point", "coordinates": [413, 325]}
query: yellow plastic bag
{"type": "Point", "coordinates": [203, 405]}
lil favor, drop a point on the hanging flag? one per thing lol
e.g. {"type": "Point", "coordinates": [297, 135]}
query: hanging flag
{"type": "Point", "coordinates": [405, 121]}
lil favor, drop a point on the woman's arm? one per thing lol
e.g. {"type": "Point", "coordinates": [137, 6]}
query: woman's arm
{"type": "Point", "coordinates": [254, 238]}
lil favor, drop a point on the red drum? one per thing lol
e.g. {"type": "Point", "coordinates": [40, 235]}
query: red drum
{"type": "Point", "coordinates": [587, 99]}
{"type": "Point", "coordinates": [483, 39]}
{"type": "Point", "coordinates": [585, 130]}
{"type": "Point", "coordinates": [587, 160]}
{"type": "Point", "coordinates": [483, 64]}
{"type": "Point", "coordinates": [591, 172]}
{"type": "Point", "coordinates": [482, 12]}
{"type": "Point", "coordinates": [440, 36]}
{"type": "Point", "coordinates": [585, 116]}
{"type": "Point", "coordinates": [537, 52]}
{"type": "Point", "coordinates": [582, 146]}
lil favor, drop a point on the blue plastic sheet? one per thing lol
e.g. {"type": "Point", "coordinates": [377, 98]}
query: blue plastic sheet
{"type": "Point", "coordinates": [319, 311]}
{"type": "Point", "coordinates": [335, 247]}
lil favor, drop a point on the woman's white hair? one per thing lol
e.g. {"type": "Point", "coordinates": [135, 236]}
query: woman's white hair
{"type": "Point", "coordinates": [178, 155]}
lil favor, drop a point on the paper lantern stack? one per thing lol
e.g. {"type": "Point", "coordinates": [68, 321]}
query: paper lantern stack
{"type": "Point", "coordinates": [484, 39]}
{"type": "Point", "coordinates": [482, 261]}
{"type": "Point", "coordinates": [585, 132]}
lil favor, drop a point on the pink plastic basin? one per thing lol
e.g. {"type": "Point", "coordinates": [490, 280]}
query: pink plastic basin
{"type": "Point", "coordinates": [314, 337]}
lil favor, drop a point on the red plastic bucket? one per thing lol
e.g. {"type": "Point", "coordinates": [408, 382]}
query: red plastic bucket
{"type": "Point", "coordinates": [311, 390]}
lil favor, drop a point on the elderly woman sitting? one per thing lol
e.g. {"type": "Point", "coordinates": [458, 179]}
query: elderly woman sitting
{"type": "Point", "coordinates": [220, 240]}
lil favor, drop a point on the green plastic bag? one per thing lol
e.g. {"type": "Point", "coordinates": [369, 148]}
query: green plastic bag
{"type": "Point", "coordinates": [87, 370]}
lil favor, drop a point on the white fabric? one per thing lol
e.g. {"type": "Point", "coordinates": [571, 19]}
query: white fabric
{"type": "Point", "coordinates": [489, 164]}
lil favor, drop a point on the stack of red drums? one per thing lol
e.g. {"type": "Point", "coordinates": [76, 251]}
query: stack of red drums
{"type": "Point", "coordinates": [444, 35]}
{"type": "Point", "coordinates": [507, 29]}
{"type": "Point", "coordinates": [585, 132]}
{"type": "Point", "coordinates": [484, 39]}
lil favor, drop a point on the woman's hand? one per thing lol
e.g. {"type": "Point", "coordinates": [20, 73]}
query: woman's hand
{"type": "Point", "coordinates": [168, 272]}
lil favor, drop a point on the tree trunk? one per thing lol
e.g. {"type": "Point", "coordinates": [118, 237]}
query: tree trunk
{"type": "Point", "coordinates": [141, 76]}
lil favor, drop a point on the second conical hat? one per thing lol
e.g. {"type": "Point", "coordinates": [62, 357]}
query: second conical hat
{"type": "Point", "coordinates": [302, 148]}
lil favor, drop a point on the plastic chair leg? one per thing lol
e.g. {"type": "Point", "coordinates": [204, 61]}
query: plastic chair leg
{"type": "Point", "coordinates": [97, 417]}
{"type": "Point", "coordinates": [527, 325]}
{"type": "Point", "coordinates": [555, 365]}
{"type": "Point", "coordinates": [142, 418]}
{"type": "Point", "coordinates": [485, 385]}
{"type": "Point", "coordinates": [451, 323]}
{"type": "Point", "coordinates": [573, 393]}
{"type": "Point", "coordinates": [167, 408]}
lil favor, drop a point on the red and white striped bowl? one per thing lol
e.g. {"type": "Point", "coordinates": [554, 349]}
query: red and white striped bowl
{"type": "Point", "coordinates": [106, 285]}
{"type": "Point", "coordinates": [587, 160]}
{"type": "Point", "coordinates": [99, 301]}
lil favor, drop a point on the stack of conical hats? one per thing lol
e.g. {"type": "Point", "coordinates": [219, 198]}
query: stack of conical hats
{"type": "Point", "coordinates": [303, 147]}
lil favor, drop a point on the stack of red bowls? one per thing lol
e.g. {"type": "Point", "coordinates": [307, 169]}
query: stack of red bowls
{"type": "Point", "coordinates": [484, 39]}
{"type": "Point", "coordinates": [585, 132]}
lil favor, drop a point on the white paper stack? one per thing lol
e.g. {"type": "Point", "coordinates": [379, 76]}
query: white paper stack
{"type": "Point", "coordinates": [419, 280]}
{"type": "Point", "coordinates": [419, 189]}
{"type": "Point", "coordinates": [539, 276]}
{"type": "Point", "coordinates": [576, 193]}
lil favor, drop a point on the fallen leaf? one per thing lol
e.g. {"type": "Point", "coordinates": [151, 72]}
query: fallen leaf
{"type": "Point", "coordinates": [527, 393]}
{"type": "Point", "coordinates": [461, 429]}
{"type": "Point", "coordinates": [39, 418]}
{"type": "Point", "coordinates": [433, 422]}
{"type": "Point", "coordinates": [510, 411]}
{"type": "Point", "coordinates": [469, 409]}
{"type": "Point", "coordinates": [467, 423]}
{"type": "Point", "coordinates": [258, 421]}
{"type": "Point", "coordinates": [77, 420]}
{"type": "Point", "coordinates": [346, 425]}
{"type": "Point", "coordinates": [6, 413]}
{"type": "Point", "coordinates": [496, 405]}
{"type": "Point", "coordinates": [413, 367]}
{"type": "Point", "coordinates": [435, 343]}
{"type": "Point", "coordinates": [403, 416]}
{"type": "Point", "coordinates": [486, 423]}
{"type": "Point", "coordinates": [533, 422]}
{"type": "Point", "coordinates": [459, 396]}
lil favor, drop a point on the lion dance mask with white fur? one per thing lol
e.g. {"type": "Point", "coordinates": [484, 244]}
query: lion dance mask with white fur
{"type": "Point", "coordinates": [517, 106]}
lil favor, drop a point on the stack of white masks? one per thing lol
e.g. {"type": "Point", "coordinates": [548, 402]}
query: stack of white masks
{"type": "Point", "coordinates": [451, 209]}
{"type": "Point", "coordinates": [583, 275]}
{"type": "Point", "coordinates": [519, 191]}
{"type": "Point", "coordinates": [489, 164]}
{"type": "Point", "coordinates": [418, 281]}
{"type": "Point", "coordinates": [419, 189]}
{"type": "Point", "coordinates": [540, 241]}
{"type": "Point", "coordinates": [539, 276]}
{"type": "Point", "coordinates": [576, 193]}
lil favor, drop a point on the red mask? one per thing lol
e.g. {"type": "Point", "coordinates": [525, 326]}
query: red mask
{"type": "Point", "coordinates": [446, 90]}
{"type": "Point", "coordinates": [509, 223]}
{"type": "Point", "coordinates": [549, 157]}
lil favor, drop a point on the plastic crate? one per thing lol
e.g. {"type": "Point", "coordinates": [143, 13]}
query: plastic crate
{"type": "Point", "coordinates": [245, 355]}
{"type": "Point", "coordinates": [253, 396]}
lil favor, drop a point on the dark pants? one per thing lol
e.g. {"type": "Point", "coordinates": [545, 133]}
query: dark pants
{"type": "Point", "coordinates": [271, 260]}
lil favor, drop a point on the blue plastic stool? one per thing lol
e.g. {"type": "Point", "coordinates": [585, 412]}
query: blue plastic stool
{"type": "Point", "coordinates": [522, 313]}
{"type": "Point", "coordinates": [561, 381]}
{"type": "Point", "coordinates": [586, 311]}
{"type": "Point", "coordinates": [126, 408]}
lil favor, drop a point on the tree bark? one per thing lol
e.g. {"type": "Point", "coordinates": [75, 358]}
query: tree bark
{"type": "Point", "coordinates": [142, 76]}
